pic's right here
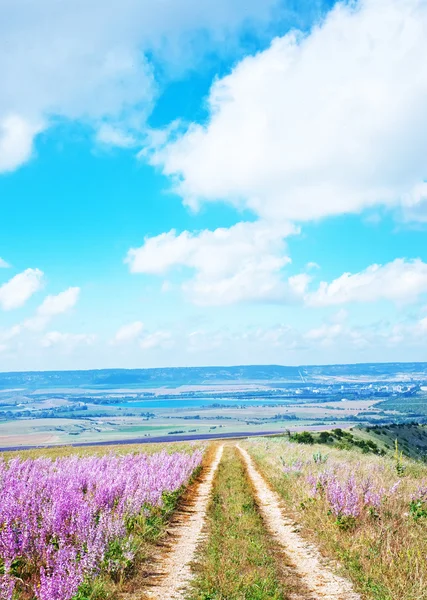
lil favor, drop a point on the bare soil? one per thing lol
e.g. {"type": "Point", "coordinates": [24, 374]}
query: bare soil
{"type": "Point", "coordinates": [173, 572]}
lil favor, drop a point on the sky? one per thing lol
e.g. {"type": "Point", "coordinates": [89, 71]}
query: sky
{"type": "Point", "coordinates": [189, 182]}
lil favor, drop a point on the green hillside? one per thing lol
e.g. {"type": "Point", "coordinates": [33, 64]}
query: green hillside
{"type": "Point", "coordinates": [375, 439]}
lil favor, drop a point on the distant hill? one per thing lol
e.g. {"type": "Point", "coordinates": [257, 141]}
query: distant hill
{"type": "Point", "coordinates": [161, 376]}
{"type": "Point", "coordinates": [206, 375]}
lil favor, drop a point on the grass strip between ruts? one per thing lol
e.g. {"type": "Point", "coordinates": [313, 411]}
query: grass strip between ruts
{"type": "Point", "coordinates": [237, 560]}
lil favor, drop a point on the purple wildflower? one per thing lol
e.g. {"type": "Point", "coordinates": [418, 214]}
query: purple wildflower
{"type": "Point", "coordinates": [61, 516]}
{"type": "Point", "coordinates": [343, 497]}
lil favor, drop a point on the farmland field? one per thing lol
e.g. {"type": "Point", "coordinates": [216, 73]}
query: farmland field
{"type": "Point", "coordinates": [85, 407]}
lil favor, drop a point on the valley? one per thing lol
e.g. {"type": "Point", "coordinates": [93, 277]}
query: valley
{"type": "Point", "coordinates": [106, 406]}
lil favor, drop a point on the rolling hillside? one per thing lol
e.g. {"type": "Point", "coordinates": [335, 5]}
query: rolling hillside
{"type": "Point", "coordinates": [274, 518]}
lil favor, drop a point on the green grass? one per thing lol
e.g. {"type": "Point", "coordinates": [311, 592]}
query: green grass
{"type": "Point", "coordinates": [341, 439]}
{"type": "Point", "coordinates": [373, 439]}
{"type": "Point", "coordinates": [384, 551]}
{"type": "Point", "coordinates": [142, 428]}
{"type": "Point", "coordinates": [237, 561]}
{"type": "Point", "coordinates": [412, 438]}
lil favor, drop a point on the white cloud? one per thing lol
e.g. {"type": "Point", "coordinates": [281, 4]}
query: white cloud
{"type": "Point", "coordinates": [400, 281]}
{"type": "Point", "coordinates": [9, 334]}
{"type": "Point", "coordinates": [415, 203]}
{"type": "Point", "coordinates": [406, 332]}
{"type": "Point", "coordinates": [246, 263]}
{"type": "Point", "coordinates": [128, 332]}
{"type": "Point", "coordinates": [67, 341]}
{"type": "Point", "coordinates": [15, 292]}
{"type": "Point", "coordinates": [158, 339]}
{"type": "Point", "coordinates": [27, 331]}
{"type": "Point", "coordinates": [134, 332]}
{"type": "Point", "coordinates": [51, 307]}
{"type": "Point", "coordinates": [200, 341]}
{"type": "Point", "coordinates": [16, 140]}
{"type": "Point", "coordinates": [340, 336]}
{"type": "Point", "coordinates": [48, 309]}
{"type": "Point", "coordinates": [321, 124]}
{"type": "Point", "coordinates": [78, 60]}
{"type": "Point", "coordinates": [62, 302]}
{"type": "Point", "coordinates": [340, 316]}
{"type": "Point", "coordinates": [4, 264]}
{"type": "Point", "coordinates": [243, 262]}
{"type": "Point", "coordinates": [113, 136]}
{"type": "Point", "coordinates": [325, 332]}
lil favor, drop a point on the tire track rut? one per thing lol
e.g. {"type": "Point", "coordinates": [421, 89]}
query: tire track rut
{"type": "Point", "coordinates": [317, 578]}
{"type": "Point", "coordinates": [173, 579]}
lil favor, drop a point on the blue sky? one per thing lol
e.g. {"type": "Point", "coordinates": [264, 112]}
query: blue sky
{"type": "Point", "coordinates": [191, 183]}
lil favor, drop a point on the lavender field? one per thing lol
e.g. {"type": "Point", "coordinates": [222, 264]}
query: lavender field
{"type": "Point", "coordinates": [65, 521]}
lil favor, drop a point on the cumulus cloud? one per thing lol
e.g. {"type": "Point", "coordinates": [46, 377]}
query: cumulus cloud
{"type": "Point", "coordinates": [415, 203]}
{"type": "Point", "coordinates": [28, 331]}
{"type": "Point", "coordinates": [240, 263]}
{"type": "Point", "coordinates": [157, 339]}
{"type": "Point", "coordinates": [400, 281]}
{"type": "Point", "coordinates": [66, 341]}
{"type": "Point", "coordinates": [146, 340]}
{"type": "Point", "coordinates": [77, 60]}
{"type": "Point", "coordinates": [341, 335]}
{"type": "Point", "coordinates": [16, 140]}
{"type": "Point", "coordinates": [297, 342]}
{"type": "Point", "coordinates": [113, 136]}
{"type": "Point", "coordinates": [62, 302]}
{"type": "Point", "coordinates": [129, 332]}
{"type": "Point", "coordinates": [247, 262]}
{"type": "Point", "coordinates": [15, 292]}
{"type": "Point", "coordinates": [4, 264]}
{"type": "Point", "coordinates": [9, 334]}
{"type": "Point", "coordinates": [320, 124]}
{"type": "Point", "coordinates": [52, 306]}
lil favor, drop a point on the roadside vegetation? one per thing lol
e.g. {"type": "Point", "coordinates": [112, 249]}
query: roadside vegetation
{"type": "Point", "coordinates": [411, 437]}
{"type": "Point", "coordinates": [372, 439]}
{"type": "Point", "coordinates": [78, 528]}
{"type": "Point", "coordinates": [368, 511]}
{"type": "Point", "coordinates": [238, 560]}
{"type": "Point", "coordinates": [341, 439]}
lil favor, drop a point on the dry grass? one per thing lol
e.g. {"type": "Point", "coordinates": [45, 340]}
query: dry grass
{"type": "Point", "coordinates": [62, 451]}
{"type": "Point", "coordinates": [385, 550]}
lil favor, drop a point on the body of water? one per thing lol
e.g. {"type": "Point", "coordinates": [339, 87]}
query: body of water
{"type": "Point", "coordinates": [169, 403]}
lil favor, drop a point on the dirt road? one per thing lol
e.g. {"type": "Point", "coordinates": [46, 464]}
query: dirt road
{"type": "Point", "coordinates": [316, 576]}
{"type": "Point", "coordinates": [176, 566]}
